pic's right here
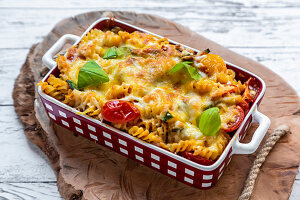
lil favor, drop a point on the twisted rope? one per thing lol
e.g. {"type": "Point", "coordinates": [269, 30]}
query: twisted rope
{"type": "Point", "coordinates": [260, 159]}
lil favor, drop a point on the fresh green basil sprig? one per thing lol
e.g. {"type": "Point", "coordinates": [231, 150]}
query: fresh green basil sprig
{"type": "Point", "coordinates": [191, 70]}
{"type": "Point", "coordinates": [111, 53]}
{"type": "Point", "coordinates": [114, 52]}
{"type": "Point", "coordinates": [209, 122]}
{"type": "Point", "coordinates": [72, 85]}
{"type": "Point", "coordinates": [90, 74]}
{"type": "Point", "coordinates": [167, 116]}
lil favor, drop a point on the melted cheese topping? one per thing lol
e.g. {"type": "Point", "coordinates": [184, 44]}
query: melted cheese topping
{"type": "Point", "coordinates": [142, 78]}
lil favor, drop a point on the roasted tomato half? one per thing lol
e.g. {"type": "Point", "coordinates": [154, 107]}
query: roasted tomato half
{"type": "Point", "coordinates": [119, 111]}
{"type": "Point", "coordinates": [245, 105]}
{"type": "Point", "coordinates": [198, 159]}
{"type": "Point", "coordinates": [212, 63]}
{"type": "Point", "coordinates": [239, 119]}
{"type": "Point", "coordinates": [251, 90]}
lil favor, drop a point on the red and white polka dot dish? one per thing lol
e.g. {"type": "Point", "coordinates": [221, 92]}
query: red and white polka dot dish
{"type": "Point", "coordinates": [170, 164]}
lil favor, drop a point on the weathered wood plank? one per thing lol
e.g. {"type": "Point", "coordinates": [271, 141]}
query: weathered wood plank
{"type": "Point", "coordinates": [48, 191]}
{"type": "Point", "coordinates": [21, 161]}
{"type": "Point", "coordinates": [229, 26]}
{"type": "Point", "coordinates": [295, 194]}
{"type": "Point", "coordinates": [28, 191]}
{"type": "Point", "coordinates": [283, 61]}
{"type": "Point", "coordinates": [10, 65]}
{"type": "Point", "coordinates": [144, 3]}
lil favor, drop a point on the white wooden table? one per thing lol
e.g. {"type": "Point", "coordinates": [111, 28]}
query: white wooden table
{"type": "Point", "coordinates": [266, 31]}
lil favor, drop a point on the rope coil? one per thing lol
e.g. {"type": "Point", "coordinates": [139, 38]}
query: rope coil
{"type": "Point", "coordinates": [260, 159]}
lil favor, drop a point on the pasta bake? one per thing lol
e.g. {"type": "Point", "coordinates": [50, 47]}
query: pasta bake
{"type": "Point", "coordinates": [184, 101]}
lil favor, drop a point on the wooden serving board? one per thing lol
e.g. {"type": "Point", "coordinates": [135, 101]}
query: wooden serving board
{"type": "Point", "coordinates": [86, 170]}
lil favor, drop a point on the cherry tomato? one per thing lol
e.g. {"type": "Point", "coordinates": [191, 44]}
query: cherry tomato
{"type": "Point", "coordinates": [212, 63]}
{"type": "Point", "coordinates": [239, 119]}
{"type": "Point", "coordinates": [245, 105]}
{"type": "Point", "coordinates": [250, 87]}
{"type": "Point", "coordinates": [198, 159]}
{"type": "Point", "coordinates": [119, 111]}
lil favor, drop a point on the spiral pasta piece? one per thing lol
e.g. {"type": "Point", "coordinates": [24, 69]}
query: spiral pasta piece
{"type": "Point", "coordinates": [144, 135]}
{"type": "Point", "coordinates": [201, 86]}
{"type": "Point", "coordinates": [63, 66]}
{"type": "Point", "coordinates": [156, 126]}
{"type": "Point", "coordinates": [55, 87]}
{"type": "Point", "coordinates": [119, 91]}
{"type": "Point", "coordinates": [187, 145]}
{"type": "Point", "coordinates": [87, 103]}
{"type": "Point", "coordinates": [213, 151]}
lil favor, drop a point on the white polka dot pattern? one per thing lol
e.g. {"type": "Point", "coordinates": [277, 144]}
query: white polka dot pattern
{"type": "Point", "coordinates": [167, 165]}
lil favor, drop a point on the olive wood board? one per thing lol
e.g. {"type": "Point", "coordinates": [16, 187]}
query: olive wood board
{"type": "Point", "coordinates": [86, 170]}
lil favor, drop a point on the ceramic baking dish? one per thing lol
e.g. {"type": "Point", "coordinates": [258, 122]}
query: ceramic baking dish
{"type": "Point", "coordinates": [170, 164]}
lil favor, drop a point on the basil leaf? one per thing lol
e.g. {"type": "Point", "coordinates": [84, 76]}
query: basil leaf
{"type": "Point", "coordinates": [176, 68]}
{"type": "Point", "coordinates": [167, 116]}
{"type": "Point", "coordinates": [115, 52]}
{"type": "Point", "coordinates": [111, 53]}
{"type": "Point", "coordinates": [91, 74]}
{"type": "Point", "coordinates": [186, 62]}
{"type": "Point", "coordinates": [193, 72]}
{"type": "Point", "coordinates": [179, 66]}
{"type": "Point", "coordinates": [72, 85]}
{"type": "Point", "coordinates": [209, 122]}
{"type": "Point", "coordinates": [119, 52]}
{"type": "Point", "coordinates": [125, 51]}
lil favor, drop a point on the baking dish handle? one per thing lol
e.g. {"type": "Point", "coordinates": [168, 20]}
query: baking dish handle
{"type": "Point", "coordinates": [249, 148]}
{"type": "Point", "coordinates": [48, 56]}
